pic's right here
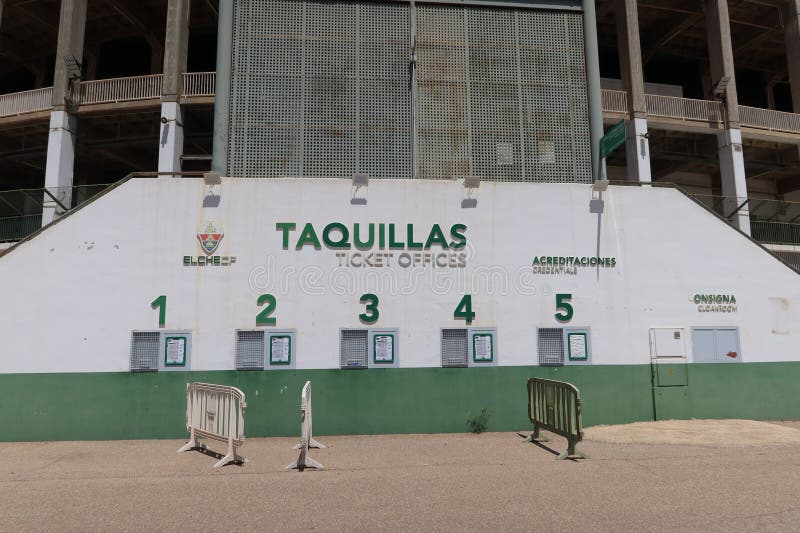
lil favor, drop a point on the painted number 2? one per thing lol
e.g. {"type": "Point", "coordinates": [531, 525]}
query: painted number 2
{"type": "Point", "coordinates": [372, 313]}
{"type": "Point", "coordinates": [565, 308]}
{"type": "Point", "coordinates": [263, 318]}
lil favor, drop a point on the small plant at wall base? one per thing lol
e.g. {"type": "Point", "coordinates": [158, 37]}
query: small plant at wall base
{"type": "Point", "coordinates": [478, 424]}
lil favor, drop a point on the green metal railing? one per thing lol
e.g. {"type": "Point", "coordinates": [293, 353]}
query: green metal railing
{"type": "Point", "coordinates": [21, 209]}
{"type": "Point", "coordinates": [19, 227]}
{"type": "Point", "coordinates": [556, 407]}
{"type": "Point", "coordinates": [775, 232]}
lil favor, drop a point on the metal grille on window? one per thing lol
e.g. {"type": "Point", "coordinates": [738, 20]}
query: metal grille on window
{"type": "Point", "coordinates": [454, 347]}
{"type": "Point", "coordinates": [250, 350]}
{"type": "Point", "coordinates": [144, 351]}
{"type": "Point", "coordinates": [353, 348]}
{"type": "Point", "coordinates": [551, 346]}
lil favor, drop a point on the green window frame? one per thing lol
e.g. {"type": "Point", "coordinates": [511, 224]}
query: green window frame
{"type": "Point", "coordinates": [475, 336]}
{"type": "Point", "coordinates": [272, 360]}
{"type": "Point", "coordinates": [375, 349]}
{"type": "Point", "coordinates": [585, 356]}
{"type": "Point", "coordinates": [166, 349]}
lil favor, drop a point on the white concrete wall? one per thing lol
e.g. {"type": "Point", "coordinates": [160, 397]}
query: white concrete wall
{"type": "Point", "coordinates": [72, 295]}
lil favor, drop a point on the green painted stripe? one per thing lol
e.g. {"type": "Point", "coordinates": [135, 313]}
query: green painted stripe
{"type": "Point", "coordinates": [99, 406]}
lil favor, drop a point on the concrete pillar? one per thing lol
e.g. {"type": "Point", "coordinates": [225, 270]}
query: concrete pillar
{"type": "Point", "coordinates": [595, 95]}
{"type": "Point", "coordinates": [729, 141]}
{"type": "Point", "coordinates": [791, 22]}
{"type": "Point", "coordinates": [170, 146]}
{"type": "Point", "coordinates": [630, 58]}
{"type": "Point", "coordinates": [176, 51]}
{"type": "Point", "coordinates": [61, 141]}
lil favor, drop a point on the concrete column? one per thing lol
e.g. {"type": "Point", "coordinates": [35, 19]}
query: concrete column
{"type": "Point", "coordinates": [595, 95]}
{"type": "Point", "coordinates": [630, 58]}
{"type": "Point", "coordinates": [170, 146]}
{"type": "Point", "coordinates": [176, 51]}
{"type": "Point", "coordinates": [729, 141]}
{"type": "Point", "coordinates": [61, 141]}
{"type": "Point", "coordinates": [791, 22]}
{"type": "Point", "coordinates": [219, 162]}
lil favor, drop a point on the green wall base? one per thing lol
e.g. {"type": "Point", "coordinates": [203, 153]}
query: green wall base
{"type": "Point", "coordinates": [111, 406]}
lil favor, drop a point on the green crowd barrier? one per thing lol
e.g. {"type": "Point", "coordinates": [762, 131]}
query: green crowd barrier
{"type": "Point", "coordinates": [556, 407]}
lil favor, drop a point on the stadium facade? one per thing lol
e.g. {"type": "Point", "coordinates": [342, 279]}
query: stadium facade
{"type": "Point", "coordinates": [407, 204]}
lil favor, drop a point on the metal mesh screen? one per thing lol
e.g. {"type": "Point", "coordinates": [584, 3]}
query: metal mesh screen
{"type": "Point", "coordinates": [249, 350]}
{"type": "Point", "coordinates": [320, 89]}
{"type": "Point", "coordinates": [144, 350]}
{"type": "Point", "coordinates": [353, 348]}
{"type": "Point", "coordinates": [454, 347]}
{"type": "Point", "coordinates": [502, 95]}
{"type": "Point", "coordinates": [551, 346]}
{"type": "Point", "coordinates": [323, 89]}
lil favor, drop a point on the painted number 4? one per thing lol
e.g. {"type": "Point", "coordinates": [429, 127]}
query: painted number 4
{"type": "Point", "coordinates": [464, 309]}
{"type": "Point", "coordinates": [565, 308]}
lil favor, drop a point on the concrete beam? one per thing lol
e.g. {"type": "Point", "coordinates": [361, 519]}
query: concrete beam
{"type": "Point", "coordinates": [71, 29]}
{"type": "Point", "coordinates": [176, 48]}
{"type": "Point", "coordinates": [792, 29]}
{"type": "Point", "coordinates": [630, 58]}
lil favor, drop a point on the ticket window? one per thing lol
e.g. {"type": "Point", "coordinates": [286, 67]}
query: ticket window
{"type": "Point", "coordinates": [161, 351]}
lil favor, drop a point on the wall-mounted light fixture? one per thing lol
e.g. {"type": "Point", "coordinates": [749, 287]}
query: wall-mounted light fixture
{"type": "Point", "coordinates": [471, 184]}
{"type": "Point", "coordinates": [359, 180]}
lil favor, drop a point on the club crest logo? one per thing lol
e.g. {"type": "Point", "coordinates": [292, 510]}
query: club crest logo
{"type": "Point", "coordinates": [210, 237]}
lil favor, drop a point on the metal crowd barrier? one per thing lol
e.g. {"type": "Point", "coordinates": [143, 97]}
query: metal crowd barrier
{"type": "Point", "coordinates": [306, 439]}
{"type": "Point", "coordinates": [215, 412]}
{"type": "Point", "coordinates": [556, 406]}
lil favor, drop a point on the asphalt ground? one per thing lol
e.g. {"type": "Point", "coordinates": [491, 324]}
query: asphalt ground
{"type": "Point", "coordinates": [454, 482]}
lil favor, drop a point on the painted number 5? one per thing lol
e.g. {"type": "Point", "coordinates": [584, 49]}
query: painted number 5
{"type": "Point", "coordinates": [564, 307]}
{"type": "Point", "coordinates": [372, 313]}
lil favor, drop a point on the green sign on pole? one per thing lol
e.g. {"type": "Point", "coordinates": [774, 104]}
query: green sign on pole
{"type": "Point", "coordinates": [613, 139]}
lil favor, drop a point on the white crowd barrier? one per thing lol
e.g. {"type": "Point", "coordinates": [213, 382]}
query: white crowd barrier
{"type": "Point", "coordinates": [215, 412]}
{"type": "Point", "coordinates": [306, 439]}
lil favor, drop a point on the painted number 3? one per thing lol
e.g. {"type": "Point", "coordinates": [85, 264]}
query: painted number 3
{"type": "Point", "coordinates": [371, 315]}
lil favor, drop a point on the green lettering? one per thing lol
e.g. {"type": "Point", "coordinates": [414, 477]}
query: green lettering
{"type": "Point", "coordinates": [285, 227]}
{"type": "Point", "coordinates": [410, 235]}
{"type": "Point", "coordinates": [459, 241]}
{"type": "Point", "coordinates": [436, 236]}
{"type": "Point", "coordinates": [344, 242]}
{"type": "Point", "coordinates": [308, 236]}
{"type": "Point", "coordinates": [382, 236]}
{"type": "Point", "coordinates": [357, 234]}
{"type": "Point", "coordinates": [392, 242]}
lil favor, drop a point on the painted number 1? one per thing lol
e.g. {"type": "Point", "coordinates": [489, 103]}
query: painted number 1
{"type": "Point", "coordinates": [160, 303]}
{"type": "Point", "coordinates": [565, 308]}
{"type": "Point", "coordinates": [263, 318]}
